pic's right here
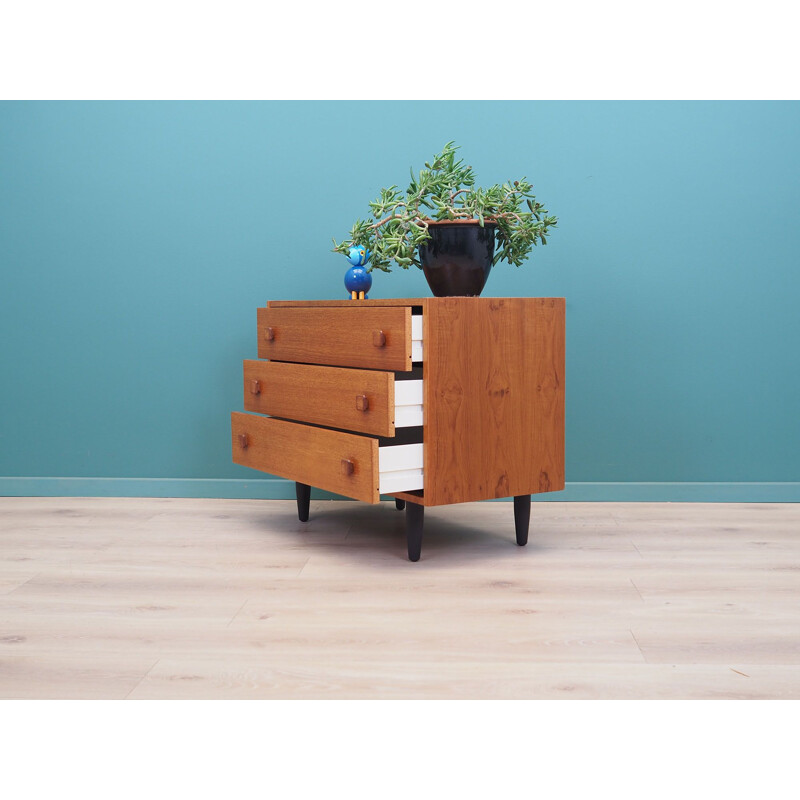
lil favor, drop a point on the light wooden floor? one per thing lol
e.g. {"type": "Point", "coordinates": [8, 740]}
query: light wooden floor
{"type": "Point", "coordinates": [170, 598]}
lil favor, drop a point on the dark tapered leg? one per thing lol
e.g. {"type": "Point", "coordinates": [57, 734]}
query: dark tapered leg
{"type": "Point", "coordinates": [399, 504]}
{"type": "Point", "coordinates": [522, 517]}
{"type": "Point", "coordinates": [414, 517]}
{"type": "Point", "coordinates": [303, 500]}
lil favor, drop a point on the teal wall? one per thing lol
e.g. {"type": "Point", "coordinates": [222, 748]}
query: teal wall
{"type": "Point", "coordinates": [137, 240]}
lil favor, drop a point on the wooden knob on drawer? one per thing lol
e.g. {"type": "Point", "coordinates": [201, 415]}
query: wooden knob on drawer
{"type": "Point", "coordinates": [255, 387]}
{"type": "Point", "coordinates": [348, 467]}
{"type": "Point", "coordinates": [269, 334]}
{"type": "Point", "coordinates": [244, 440]}
{"type": "Point", "coordinates": [362, 402]}
{"type": "Point", "coordinates": [379, 338]}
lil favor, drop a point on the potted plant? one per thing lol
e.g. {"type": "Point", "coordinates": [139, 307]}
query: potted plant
{"type": "Point", "coordinates": [453, 231]}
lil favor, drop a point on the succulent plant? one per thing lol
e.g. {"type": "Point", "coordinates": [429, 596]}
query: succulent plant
{"type": "Point", "coordinates": [443, 190]}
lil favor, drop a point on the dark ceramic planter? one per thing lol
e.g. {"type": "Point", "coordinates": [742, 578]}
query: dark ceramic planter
{"type": "Point", "coordinates": [458, 257]}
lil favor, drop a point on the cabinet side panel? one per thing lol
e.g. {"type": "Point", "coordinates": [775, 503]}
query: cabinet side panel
{"type": "Point", "coordinates": [494, 398]}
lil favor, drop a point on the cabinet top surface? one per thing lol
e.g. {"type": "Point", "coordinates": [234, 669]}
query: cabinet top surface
{"type": "Point", "coordinates": [395, 301]}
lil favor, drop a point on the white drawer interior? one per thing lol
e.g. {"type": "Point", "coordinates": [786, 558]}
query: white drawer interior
{"type": "Point", "coordinates": [407, 404]}
{"type": "Point", "coordinates": [416, 338]}
{"type": "Point", "coordinates": [400, 467]}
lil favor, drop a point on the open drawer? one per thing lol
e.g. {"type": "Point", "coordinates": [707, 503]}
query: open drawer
{"type": "Point", "coordinates": [372, 338]}
{"type": "Point", "coordinates": [345, 463]}
{"type": "Point", "coordinates": [360, 400]}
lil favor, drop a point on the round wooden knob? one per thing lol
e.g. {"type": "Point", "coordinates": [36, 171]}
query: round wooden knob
{"type": "Point", "coordinates": [243, 440]}
{"type": "Point", "coordinates": [362, 402]}
{"type": "Point", "coordinates": [379, 338]}
{"type": "Point", "coordinates": [348, 467]}
{"type": "Point", "coordinates": [255, 387]}
{"type": "Point", "coordinates": [269, 334]}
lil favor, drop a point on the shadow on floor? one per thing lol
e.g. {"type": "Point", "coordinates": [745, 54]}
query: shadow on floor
{"type": "Point", "coordinates": [378, 531]}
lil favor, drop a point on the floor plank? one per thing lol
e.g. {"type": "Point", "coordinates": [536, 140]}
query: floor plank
{"type": "Point", "coordinates": [206, 677]}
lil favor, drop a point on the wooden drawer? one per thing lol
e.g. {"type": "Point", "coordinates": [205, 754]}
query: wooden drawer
{"type": "Point", "coordinates": [374, 338]}
{"type": "Point", "coordinates": [367, 401]}
{"type": "Point", "coordinates": [345, 463]}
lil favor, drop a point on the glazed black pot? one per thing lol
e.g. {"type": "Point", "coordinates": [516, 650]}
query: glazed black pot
{"type": "Point", "coordinates": [458, 257]}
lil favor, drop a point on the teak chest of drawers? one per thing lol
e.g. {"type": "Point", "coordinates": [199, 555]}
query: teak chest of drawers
{"type": "Point", "coordinates": [435, 401]}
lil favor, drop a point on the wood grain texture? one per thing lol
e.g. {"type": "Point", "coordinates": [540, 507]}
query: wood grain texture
{"type": "Point", "coordinates": [316, 456]}
{"type": "Point", "coordinates": [494, 398]}
{"type": "Point", "coordinates": [337, 336]}
{"type": "Point", "coordinates": [182, 598]}
{"type": "Point", "coordinates": [330, 396]}
{"type": "Point", "coordinates": [390, 302]}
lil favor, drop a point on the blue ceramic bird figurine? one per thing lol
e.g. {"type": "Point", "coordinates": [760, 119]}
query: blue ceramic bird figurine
{"type": "Point", "coordinates": [357, 280]}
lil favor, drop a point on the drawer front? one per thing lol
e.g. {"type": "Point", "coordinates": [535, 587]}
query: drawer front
{"type": "Point", "coordinates": [374, 338]}
{"type": "Point", "coordinates": [355, 399]}
{"type": "Point", "coordinates": [344, 463]}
